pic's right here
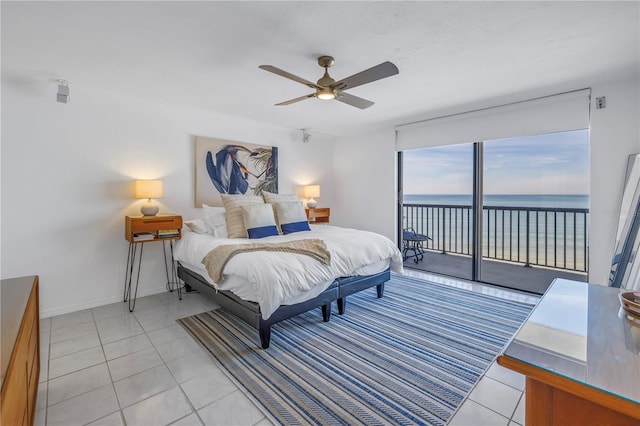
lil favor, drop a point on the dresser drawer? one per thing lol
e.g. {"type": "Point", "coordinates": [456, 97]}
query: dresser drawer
{"type": "Point", "coordinates": [152, 224]}
{"type": "Point", "coordinates": [142, 225]}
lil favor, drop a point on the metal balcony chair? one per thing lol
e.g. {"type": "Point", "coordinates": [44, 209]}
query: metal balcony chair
{"type": "Point", "coordinates": [412, 242]}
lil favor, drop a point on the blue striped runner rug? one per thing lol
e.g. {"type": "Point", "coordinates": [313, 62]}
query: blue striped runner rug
{"type": "Point", "coordinates": [408, 358]}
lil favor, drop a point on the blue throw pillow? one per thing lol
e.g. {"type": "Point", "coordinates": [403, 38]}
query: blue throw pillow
{"type": "Point", "coordinates": [259, 220]}
{"type": "Point", "coordinates": [292, 217]}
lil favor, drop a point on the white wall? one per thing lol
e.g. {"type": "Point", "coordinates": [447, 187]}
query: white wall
{"type": "Point", "coordinates": [67, 173]}
{"type": "Point", "coordinates": [366, 193]}
{"type": "Point", "coordinates": [366, 182]}
{"type": "Point", "coordinates": [615, 134]}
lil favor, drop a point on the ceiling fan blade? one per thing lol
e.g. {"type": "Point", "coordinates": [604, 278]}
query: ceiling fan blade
{"type": "Point", "coordinates": [384, 70]}
{"type": "Point", "coordinates": [288, 75]}
{"type": "Point", "coordinates": [301, 98]}
{"type": "Point", "coordinates": [353, 100]}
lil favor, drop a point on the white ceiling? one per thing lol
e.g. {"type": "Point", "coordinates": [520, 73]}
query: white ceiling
{"type": "Point", "coordinates": [206, 54]}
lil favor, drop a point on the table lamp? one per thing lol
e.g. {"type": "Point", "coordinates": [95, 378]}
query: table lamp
{"type": "Point", "coordinates": [148, 189]}
{"type": "Point", "coordinates": [310, 192]}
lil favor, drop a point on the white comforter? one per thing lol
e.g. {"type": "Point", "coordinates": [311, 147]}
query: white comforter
{"type": "Point", "coordinates": [276, 277]}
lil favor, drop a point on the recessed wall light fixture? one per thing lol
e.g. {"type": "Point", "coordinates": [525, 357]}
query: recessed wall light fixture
{"type": "Point", "coordinates": [63, 92]}
{"type": "Point", "coordinates": [306, 136]}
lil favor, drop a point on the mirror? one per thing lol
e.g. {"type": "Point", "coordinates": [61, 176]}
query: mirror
{"type": "Point", "coordinates": [625, 272]}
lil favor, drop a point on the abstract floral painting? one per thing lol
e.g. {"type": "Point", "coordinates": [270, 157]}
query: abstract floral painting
{"type": "Point", "coordinates": [229, 167]}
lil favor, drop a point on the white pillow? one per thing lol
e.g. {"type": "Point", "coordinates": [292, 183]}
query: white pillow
{"type": "Point", "coordinates": [235, 222]}
{"type": "Point", "coordinates": [215, 219]}
{"type": "Point", "coordinates": [292, 217]}
{"type": "Point", "coordinates": [198, 226]}
{"type": "Point", "coordinates": [259, 220]}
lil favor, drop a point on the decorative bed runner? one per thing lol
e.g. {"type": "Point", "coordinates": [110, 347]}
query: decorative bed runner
{"type": "Point", "coordinates": [217, 258]}
{"type": "Point", "coordinates": [408, 358]}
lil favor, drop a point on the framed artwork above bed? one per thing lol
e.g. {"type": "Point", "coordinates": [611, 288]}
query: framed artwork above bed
{"type": "Point", "coordinates": [230, 167]}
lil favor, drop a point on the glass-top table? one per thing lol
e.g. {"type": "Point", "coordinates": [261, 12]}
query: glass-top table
{"type": "Point", "coordinates": [581, 354]}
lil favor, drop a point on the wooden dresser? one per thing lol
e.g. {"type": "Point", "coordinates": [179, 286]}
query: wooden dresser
{"type": "Point", "coordinates": [580, 354]}
{"type": "Point", "coordinates": [20, 349]}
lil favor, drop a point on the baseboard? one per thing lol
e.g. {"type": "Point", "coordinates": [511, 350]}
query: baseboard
{"type": "Point", "coordinates": [51, 312]}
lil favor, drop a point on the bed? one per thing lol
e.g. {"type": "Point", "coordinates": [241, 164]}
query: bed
{"type": "Point", "coordinates": [263, 287]}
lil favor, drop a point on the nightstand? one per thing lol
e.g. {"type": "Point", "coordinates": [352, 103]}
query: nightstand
{"type": "Point", "coordinates": [319, 215]}
{"type": "Point", "coordinates": [139, 230]}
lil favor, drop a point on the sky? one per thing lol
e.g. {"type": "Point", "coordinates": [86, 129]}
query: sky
{"type": "Point", "coordinates": [555, 163]}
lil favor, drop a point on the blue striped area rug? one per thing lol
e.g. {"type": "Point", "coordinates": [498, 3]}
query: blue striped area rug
{"type": "Point", "coordinates": [408, 358]}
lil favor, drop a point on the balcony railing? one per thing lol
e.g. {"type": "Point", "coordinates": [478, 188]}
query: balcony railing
{"type": "Point", "coordinates": [551, 237]}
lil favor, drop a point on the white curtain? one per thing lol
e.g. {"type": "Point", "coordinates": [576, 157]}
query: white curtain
{"type": "Point", "coordinates": [549, 114]}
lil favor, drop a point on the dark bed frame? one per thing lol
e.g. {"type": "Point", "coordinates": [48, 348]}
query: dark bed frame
{"type": "Point", "coordinates": [250, 311]}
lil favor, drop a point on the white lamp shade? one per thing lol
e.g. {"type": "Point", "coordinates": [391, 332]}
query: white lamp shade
{"type": "Point", "coordinates": [148, 189]}
{"type": "Point", "coordinates": [311, 191]}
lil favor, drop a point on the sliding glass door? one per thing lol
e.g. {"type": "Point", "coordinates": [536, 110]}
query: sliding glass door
{"type": "Point", "coordinates": [535, 208]}
{"type": "Point", "coordinates": [438, 188]}
{"type": "Point", "coordinates": [512, 212]}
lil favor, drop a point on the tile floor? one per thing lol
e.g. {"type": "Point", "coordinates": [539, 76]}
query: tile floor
{"type": "Point", "coordinates": [107, 366]}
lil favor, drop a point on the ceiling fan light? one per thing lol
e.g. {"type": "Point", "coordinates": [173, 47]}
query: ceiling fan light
{"type": "Point", "coordinates": [326, 94]}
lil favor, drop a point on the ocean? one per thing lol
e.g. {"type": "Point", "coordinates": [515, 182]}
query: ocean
{"type": "Point", "coordinates": [569, 201]}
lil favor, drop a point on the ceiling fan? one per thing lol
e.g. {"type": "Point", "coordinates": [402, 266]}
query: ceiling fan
{"type": "Point", "coordinates": [328, 88]}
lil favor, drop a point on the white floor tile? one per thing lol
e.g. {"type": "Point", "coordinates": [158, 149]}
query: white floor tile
{"type": "Point", "coordinates": [74, 362]}
{"type": "Point", "coordinates": [187, 368]}
{"type": "Point", "coordinates": [179, 348]}
{"type": "Point", "coordinates": [474, 414]}
{"type": "Point", "coordinates": [233, 409]}
{"type": "Point", "coordinates": [40, 418]}
{"type": "Point", "coordinates": [77, 383]}
{"type": "Point", "coordinates": [109, 335]}
{"type": "Point", "coordinates": [518, 416]}
{"type": "Point", "coordinates": [44, 365]}
{"type": "Point", "coordinates": [161, 409]}
{"type": "Point", "coordinates": [190, 420]}
{"type": "Point", "coordinates": [71, 332]}
{"type": "Point", "coordinates": [111, 310]}
{"type": "Point", "coordinates": [506, 376]}
{"type": "Point", "coordinates": [113, 419]}
{"type": "Point", "coordinates": [264, 422]}
{"type": "Point", "coordinates": [143, 385]}
{"type": "Point", "coordinates": [41, 398]}
{"type": "Point", "coordinates": [118, 321]}
{"type": "Point", "coordinates": [45, 324]}
{"type": "Point", "coordinates": [126, 346]}
{"type": "Point", "coordinates": [134, 363]}
{"type": "Point", "coordinates": [45, 338]}
{"type": "Point", "coordinates": [206, 389]}
{"type": "Point", "coordinates": [71, 319]}
{"type": "Point", "coordinates": [496, 396]}
{"type": "Point", "coordinates": [207, 302]}
{"type": "Point", "coordinates": [157, 321]}
{"type": "Point", "coordinates": [147, 302]}
{"type": "Point", "coordinates": [167, 334]}
{"type": "Point", "coordinates": [83, 409]}
{"type": "Point", "coordinates": [76, 344]}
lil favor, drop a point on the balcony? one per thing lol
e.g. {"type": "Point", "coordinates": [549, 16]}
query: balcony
{"type": "Point", "coordinates": [523, 247]}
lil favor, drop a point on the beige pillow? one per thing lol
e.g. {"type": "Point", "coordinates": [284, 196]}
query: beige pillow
{"type": "Point", "coordinates": [235, 221]}
{"type": "Point", "coordinates": [271, 198]}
